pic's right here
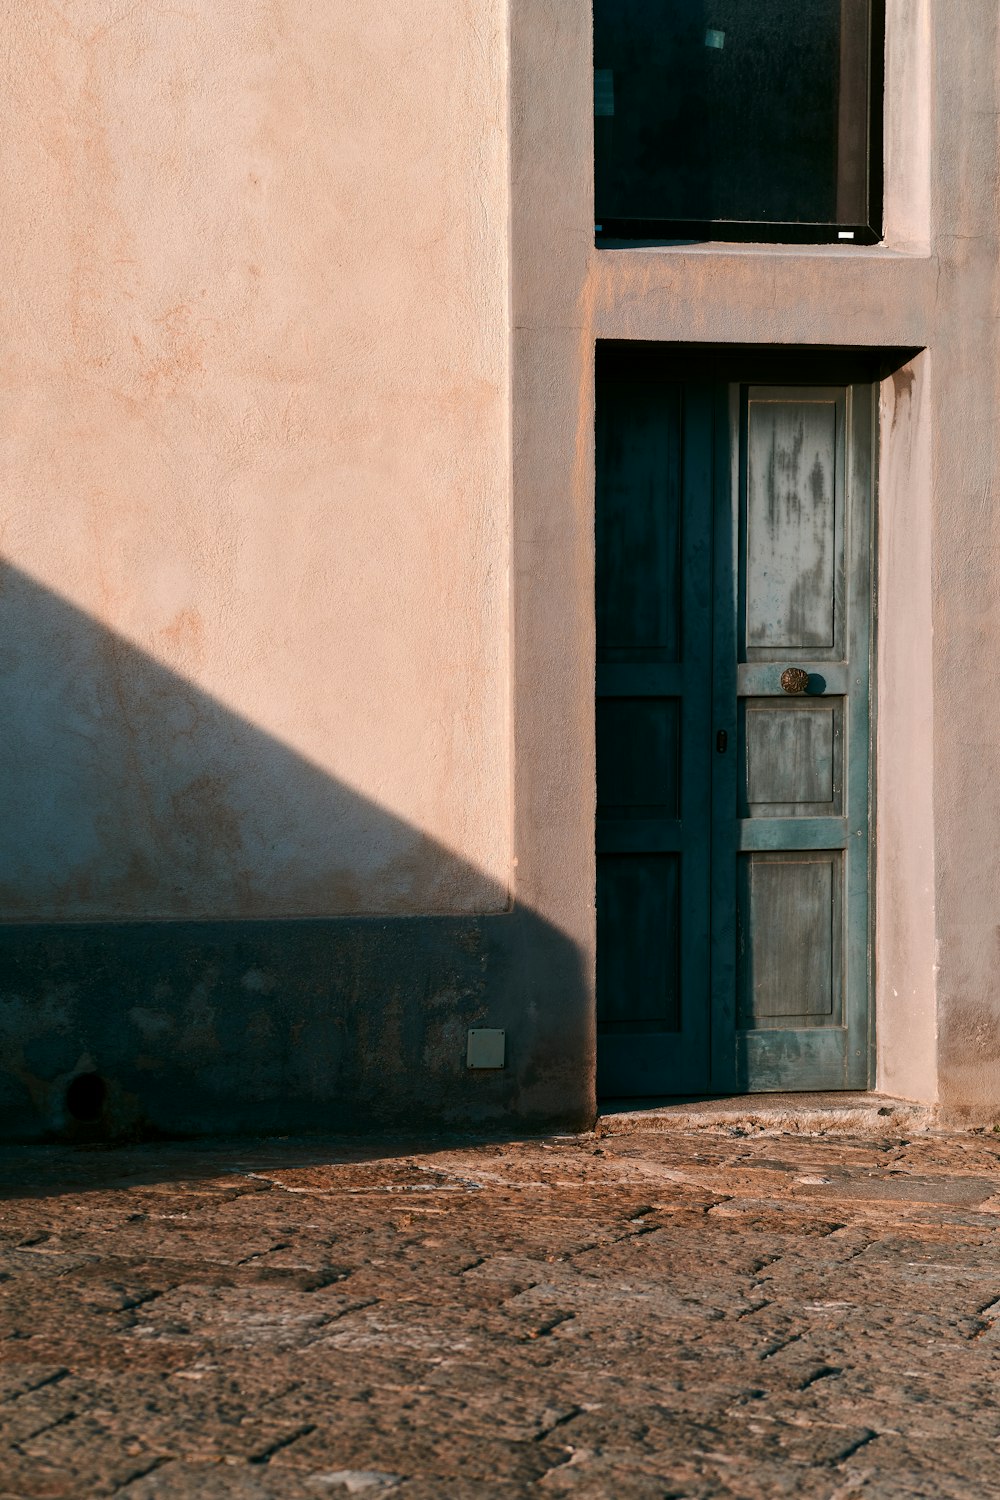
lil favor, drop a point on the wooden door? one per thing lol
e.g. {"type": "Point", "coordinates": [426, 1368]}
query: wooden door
{"type": "Point", "coordinates": [734, 566]}
{"type": "Point", "coordinates": [654, 706]}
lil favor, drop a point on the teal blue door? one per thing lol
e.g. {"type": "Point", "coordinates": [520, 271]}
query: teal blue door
{"type": "Point", "coordinates": [734, 603]}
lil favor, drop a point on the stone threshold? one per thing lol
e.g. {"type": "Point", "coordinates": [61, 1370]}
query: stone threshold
{"type": "Point", "coordinates": [827, 1114]}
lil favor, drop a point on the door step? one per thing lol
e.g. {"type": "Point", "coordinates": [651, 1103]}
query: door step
{"type": "Point", "coordinates": [829, 1114]}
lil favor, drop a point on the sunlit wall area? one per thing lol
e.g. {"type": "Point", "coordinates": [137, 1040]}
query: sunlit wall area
{"type": "Point", "coordinates": [253, 657]}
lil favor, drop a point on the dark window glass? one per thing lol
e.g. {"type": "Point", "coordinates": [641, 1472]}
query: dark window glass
{"type": "Point", "coordinates": [738, 118]}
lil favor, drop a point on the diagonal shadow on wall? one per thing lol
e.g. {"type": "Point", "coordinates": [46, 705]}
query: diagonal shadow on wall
{"type": "Point", "coordinates": [135, 805]}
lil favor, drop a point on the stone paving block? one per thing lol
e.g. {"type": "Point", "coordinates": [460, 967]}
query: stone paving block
{"type": "Point", "coordinates": [519, 1413]}
{"type": "Point", "coordinates": [17, 1378]}
{"type": "Point", "coordinates": [35, 1412]}
{"type": "Point", "coordinates": [945, 1468]}
{"type": "Point", "coordinates": [246, 1318]}
{"type": "Point", "coordinates": [453, 1489]}
{"type": "Point", "coordinates": [23, 1478]}
{"type": "Point", "coordinates": [99, 1460]}
{"type": "Point", "coordinates": [184, 1481]}
{"type": "Point", "coordinates": [400, 1448]}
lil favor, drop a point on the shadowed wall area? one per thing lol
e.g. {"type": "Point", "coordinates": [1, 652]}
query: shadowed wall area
{"type": "Point", "coordinates": [131, 793]}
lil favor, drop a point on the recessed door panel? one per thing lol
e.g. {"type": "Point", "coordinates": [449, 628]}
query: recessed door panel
{"type": "Point", "coordinates": [793, 758]}
{"type": "Point", "coordinates": [790, 926]}
{"type": "Point", "coordinates": [638, 748]}
{"type": "Point", "coordinates": [794, 536]}
{"type": "Point", "coordinates": [638, 987]}
{"type": "Point", "coordinates": [639, 602]}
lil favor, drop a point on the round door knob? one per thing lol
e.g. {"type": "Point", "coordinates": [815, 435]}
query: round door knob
{"type": "Point", "coordinates": [794, 680]}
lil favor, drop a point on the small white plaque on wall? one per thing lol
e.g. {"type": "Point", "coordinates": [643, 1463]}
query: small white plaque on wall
{"type": "Point", "coordinates": [486, 1048]}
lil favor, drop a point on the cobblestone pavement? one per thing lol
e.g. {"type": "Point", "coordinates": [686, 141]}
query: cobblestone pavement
{"type": "Point", "coordinates": [661, 1315]}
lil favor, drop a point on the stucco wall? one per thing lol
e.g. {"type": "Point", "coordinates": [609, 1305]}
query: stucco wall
{"type": "Point", "coordinates": [966, 557]}
{"type": "Point", "coordinates": [254, 623]}
{"type": "Point", "coordinates": [255, 458]}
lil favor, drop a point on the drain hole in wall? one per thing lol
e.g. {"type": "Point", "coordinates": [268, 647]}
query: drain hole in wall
{"type": "Point", "coordinates": [85, 1096]}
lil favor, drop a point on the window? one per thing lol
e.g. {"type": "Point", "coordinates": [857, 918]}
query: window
{"type": "Point", "coordinates": [738, 119]}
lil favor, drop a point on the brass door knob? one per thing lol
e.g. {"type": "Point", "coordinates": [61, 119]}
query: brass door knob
{"type": "Point", "coordinates": [794, 680]}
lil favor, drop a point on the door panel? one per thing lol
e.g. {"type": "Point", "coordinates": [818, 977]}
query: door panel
{"type": "Point", "coordinates": [638, 986]}
{"type": "Point", "coordinates": [638, 746]}
{"type": "Point", "coordinates": [792, 758]}
{"type": "Point", "coordinates": [733, 535]}
{"type": "Point", "coordinates": [654, 661]}
{"type": "Point", "coordinates": [639, 602]}
{"type": "Point", "coordinates": [790, 921]}
{"type": "Point", "coordinates": [794, 535]}
{"type": "Point", "coordinates": [791, 808]}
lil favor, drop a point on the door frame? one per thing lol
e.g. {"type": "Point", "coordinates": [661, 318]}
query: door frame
{"type": "Point", "coordinates": [742, 365]}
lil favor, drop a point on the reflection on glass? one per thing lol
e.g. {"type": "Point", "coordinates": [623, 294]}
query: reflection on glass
{"type": "Point", "coordinates": [735, 112]}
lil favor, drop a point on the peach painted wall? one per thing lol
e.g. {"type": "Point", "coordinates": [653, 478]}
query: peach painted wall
{"type": "Point", "coordinates": [254, 376]}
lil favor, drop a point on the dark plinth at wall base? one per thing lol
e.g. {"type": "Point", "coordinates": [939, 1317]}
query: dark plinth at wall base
{"type": "Point", "coordinates": [348, 1024]}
